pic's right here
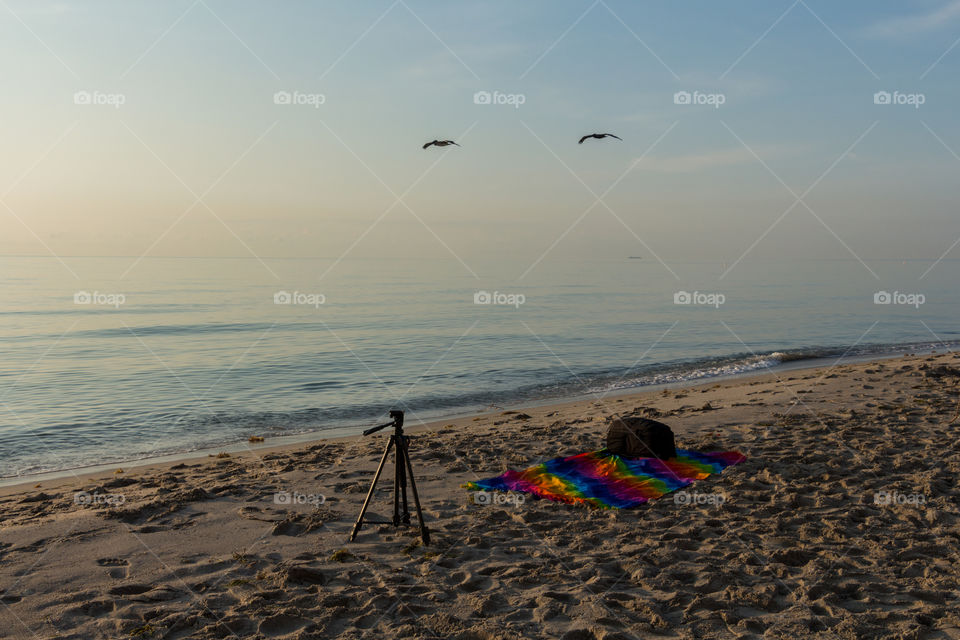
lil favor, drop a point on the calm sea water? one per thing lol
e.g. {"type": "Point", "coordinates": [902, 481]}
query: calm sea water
{"type": "Point", "coordinates": [180, 355]}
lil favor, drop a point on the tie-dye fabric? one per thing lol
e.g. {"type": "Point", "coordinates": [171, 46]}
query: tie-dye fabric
{"type": "Point", "coordinates": [601, 479]}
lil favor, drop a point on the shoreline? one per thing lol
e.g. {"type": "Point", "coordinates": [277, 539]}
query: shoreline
{"type": "Point", "coordinates": [457, 418]}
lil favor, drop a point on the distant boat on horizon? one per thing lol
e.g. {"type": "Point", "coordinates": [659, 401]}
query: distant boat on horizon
{"type": "Point", "coordinates": [634, 257]}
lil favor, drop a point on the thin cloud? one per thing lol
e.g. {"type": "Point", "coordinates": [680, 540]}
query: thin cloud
{"type": "Point", "coordinates": [914, 24]}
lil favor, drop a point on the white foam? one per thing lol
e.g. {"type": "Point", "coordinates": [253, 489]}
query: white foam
{"type": "Point", "coordinates": [746, 365]}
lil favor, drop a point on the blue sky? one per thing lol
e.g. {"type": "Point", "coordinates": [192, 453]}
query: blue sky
{"type": "Point", "coordinates": [198, 120]}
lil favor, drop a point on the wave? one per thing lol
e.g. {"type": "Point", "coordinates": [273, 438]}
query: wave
{"type": "Point", "coordinates": [177, 329]}
{"type": "Point", "coordinates": [680, 372]}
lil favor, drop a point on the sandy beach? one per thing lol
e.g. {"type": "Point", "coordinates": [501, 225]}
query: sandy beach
{"type": "Point", "coordinates": [843, 522]}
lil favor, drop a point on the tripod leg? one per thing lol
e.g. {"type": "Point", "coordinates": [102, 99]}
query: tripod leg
{"type": "Point", "coordinates": [424, 532]}
{"type": "Point", "coordinates": [397, 477]}
{"type": "Point", "coordinates": [366, 502]}
{"type": "Point", "coordinates": [405, 514]}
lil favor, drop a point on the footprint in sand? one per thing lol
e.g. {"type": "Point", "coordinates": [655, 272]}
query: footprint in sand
{"type": "Point", "coordinates": [34, 546]}
{"type": "Point", "coordinates": [169, 524]}
{"type": "Point", "coordinates": [95, 608]}
{"type": "Point", "coordinates": [130, 589]}
{"type": "Point", "coordinates": [119, 569]}
{"type": "Point", "coordinates": [471, 583]}
{"type": "Point", "coordinates": [559, 596]}
{"type": "Point", "coordinates": [282, 625]}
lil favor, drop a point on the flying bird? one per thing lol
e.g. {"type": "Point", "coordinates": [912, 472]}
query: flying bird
{"type": "Point", "coordinates": [440, 143]}
{"type": "Point", "coordinates": [599, 136]}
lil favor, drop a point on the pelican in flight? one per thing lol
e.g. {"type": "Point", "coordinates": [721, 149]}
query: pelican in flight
{"type": "Point", "coordinates": [440, 143]}
{"type": "Point", "coordinates": [599, 136]}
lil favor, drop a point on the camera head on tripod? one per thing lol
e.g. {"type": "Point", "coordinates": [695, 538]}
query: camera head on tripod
{"type": "Point", "coordinates": [397, 422]}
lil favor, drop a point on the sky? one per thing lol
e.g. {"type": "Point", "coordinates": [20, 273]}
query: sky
{"type": "Point", "coordinates": [294, 129]}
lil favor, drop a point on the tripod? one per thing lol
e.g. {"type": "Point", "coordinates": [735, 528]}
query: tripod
{"type": "Point", "coordinates": [403, 468]}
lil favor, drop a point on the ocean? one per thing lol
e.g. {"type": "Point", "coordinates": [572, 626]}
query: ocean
{"type": "Point", "coordinates": [112, 360]}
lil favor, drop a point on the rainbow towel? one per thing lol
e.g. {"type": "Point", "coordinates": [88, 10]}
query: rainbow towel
{"type": "Point", "coordinates": [605, 480]}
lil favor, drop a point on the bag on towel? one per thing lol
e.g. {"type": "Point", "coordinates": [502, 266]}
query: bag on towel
{"type": "Point", "coordinates": [636, 437]}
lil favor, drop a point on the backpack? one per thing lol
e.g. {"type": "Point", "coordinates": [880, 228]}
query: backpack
{"type": "Point", "coordinates": [636, 437]}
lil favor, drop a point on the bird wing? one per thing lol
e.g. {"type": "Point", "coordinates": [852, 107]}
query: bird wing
{"type": "Point", "coordinates": [452, 142]}
{"type": "Point", "coordinates": [584, 138]}
{"type": "Point", "coordinates": [613, 136]}
{"type": "Point", "coordinates": [427, 145]}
